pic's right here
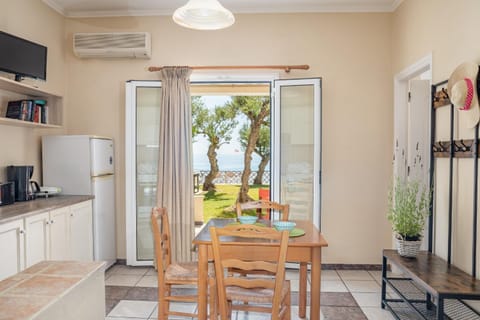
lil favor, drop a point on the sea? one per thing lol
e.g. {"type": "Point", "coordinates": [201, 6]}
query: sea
{"type": "Point", "coordinates": [226, 162]}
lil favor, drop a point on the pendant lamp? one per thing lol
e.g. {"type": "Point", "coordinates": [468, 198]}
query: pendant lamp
{"type": "Point", "coordinates": [203, 15]}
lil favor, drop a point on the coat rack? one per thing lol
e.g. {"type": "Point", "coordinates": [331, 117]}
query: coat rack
{"type": "Point", "coordinates": [453, 149]}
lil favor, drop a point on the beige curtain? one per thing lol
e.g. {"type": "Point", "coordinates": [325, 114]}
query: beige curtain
{"type": "Point", "coordinates": [175, 172]}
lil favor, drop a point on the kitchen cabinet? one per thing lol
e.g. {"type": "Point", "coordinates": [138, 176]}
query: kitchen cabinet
{"type": "Point", "coordinates": [71, 233]}
{"type": "Point", "coordinates": [12, 248]}
{"type": "Point", "coordinates": [65, 233]}
{"type": "Point", "coordinates": [59, 234]}
{"type": "Point", "coordinates": [13, 90]}
{"type": "Point", "coordinates": [81, 232]}
{"type": "Point", "coordinates": [37, 238]}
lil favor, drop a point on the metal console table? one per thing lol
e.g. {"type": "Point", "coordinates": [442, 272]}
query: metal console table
{"type": "Point", "coordinates": [431, 288]}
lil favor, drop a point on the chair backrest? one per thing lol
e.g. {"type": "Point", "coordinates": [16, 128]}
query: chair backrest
{"type": "Point", "coordinates": [264, 204]}
{"type": "Point", "coordinates": [161, 237]}
{"type": "Point", "coordinates": [270, 258]}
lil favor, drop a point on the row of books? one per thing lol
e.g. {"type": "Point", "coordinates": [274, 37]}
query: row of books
{"type": "Point", "coordinates": [28, 110]}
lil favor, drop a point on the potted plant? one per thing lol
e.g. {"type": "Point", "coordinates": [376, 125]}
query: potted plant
{"type": "Point", "coordinates": [409, 204]}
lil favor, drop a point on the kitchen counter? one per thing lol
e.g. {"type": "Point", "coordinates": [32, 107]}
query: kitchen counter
{"type": "Point", "coordinates": [55, 290]}
{"type": "Point", "coordinates": [24, 209]}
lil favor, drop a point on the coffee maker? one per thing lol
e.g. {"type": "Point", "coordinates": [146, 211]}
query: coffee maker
{"type": "Point", "coordinates": [21, 176]}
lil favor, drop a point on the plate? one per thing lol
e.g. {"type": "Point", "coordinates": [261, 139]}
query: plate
{"type": "Point", "coordinates": [297, 232]}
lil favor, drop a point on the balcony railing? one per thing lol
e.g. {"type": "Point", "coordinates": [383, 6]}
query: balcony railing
{"type": "Point", "coordinates": [231, 177]}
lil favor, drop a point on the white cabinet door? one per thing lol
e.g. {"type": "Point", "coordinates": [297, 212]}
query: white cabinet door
{"type": "Point", "coordinates": [37, 238]}
{"type": "Point", "coordinates": [81, 232]}
{"type": "Point", "coordinates": [59, 234]}
{"type": "Point", "coordinates": [12, 250]}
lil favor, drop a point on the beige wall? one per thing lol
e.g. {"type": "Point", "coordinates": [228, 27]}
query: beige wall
{"type": "Point", "coordinates": [350, 51]}
{"type": "Point", "coordinates": [447, 29]}
{"type": "Point", "coordinates": [356, 54]}
{"type": "Point", "coordinates": [34, 21]}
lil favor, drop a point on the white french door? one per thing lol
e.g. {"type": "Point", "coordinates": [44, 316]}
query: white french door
{"type": "Point", "coordinates": [142, 117]}
{"type": "Point", "coordinates": [295, 144]}
{"type": "Point", "coordinates": [296, 149]}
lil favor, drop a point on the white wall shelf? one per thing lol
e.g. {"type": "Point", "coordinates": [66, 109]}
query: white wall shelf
{"type": "Point", "coordinates": [13, 90]}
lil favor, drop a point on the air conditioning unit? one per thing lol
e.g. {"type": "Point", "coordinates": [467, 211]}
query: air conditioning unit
{"type": "Point", "coordinates": [112, 45]}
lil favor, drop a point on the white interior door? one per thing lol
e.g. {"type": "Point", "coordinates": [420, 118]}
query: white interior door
{"type": "Point", "coordinates": [418, 153]}
{"type": "Point", "coordinates": [296, 148]}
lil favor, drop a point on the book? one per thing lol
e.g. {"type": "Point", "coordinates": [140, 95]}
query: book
{"type": "Point", "coordinates": [36, 113]}
{"type": "Point", "coordinates": [40, 102]}
{"type": "Point", "coordinates": [14, 109]}
{"type": "Point", "coordinates": [27, 110]}
{"type": "Point", "coordinates": [25, 114]}
{"type": "Point", "coordinates": [44, 118]}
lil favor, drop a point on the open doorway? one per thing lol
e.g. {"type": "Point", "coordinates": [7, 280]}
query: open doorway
{"type": "Point", "coordinates": [231, 128]}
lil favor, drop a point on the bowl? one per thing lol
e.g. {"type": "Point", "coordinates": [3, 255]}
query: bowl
{"type": "Point", "coordinates": [284, 225]}
{"type": "Point", "coordinates": [247, 219]}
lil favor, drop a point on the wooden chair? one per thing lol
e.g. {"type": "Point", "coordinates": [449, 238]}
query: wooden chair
{"type": "Point", "coordinates": [269, 294]}
{"type": "Point", "coordinates": [261, 205]}
{"type": "Point", "coordinates": [172, 274]}
{"type": "Point", "coordinates": [284, 210]}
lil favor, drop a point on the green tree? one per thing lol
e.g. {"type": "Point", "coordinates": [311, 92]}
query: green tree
{"type": "Point", "coordinates": [257, 111]}
{"type": "Point", "coordinates": [216, 125]}
{"type": "Point", "coordinates": [197, 106]}
{"type": "Point", "coordinates": [262, 147]}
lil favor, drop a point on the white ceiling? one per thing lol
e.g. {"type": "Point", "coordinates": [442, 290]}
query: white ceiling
{"type": "Point", "coordinates": [108, 8]}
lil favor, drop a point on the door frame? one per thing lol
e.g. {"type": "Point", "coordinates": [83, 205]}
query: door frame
{"type": "Point", "coordinates": [400, 94]}
{"type": "Point", "coordinates": [401, 88]}
{"type": "Point", "coordinates": [130, 144]}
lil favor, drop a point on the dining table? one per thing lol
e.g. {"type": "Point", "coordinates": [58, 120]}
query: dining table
{"type": "Point", "coordinates": [303, 248]}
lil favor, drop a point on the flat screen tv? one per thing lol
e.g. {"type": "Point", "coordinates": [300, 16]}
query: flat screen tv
{"type": "Point", "coordinates": [22, 57]}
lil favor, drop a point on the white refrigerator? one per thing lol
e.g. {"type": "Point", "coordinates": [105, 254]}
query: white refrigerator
{"type": "Point", "coordinates": [84, 165]}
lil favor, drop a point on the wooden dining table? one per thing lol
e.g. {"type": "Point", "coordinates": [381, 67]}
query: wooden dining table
{"type": "Point", "coordinates": [305, 249]}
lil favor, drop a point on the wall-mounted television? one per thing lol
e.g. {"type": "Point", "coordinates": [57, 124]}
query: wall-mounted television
{"type": "Point", "coordinates": [22, 57]}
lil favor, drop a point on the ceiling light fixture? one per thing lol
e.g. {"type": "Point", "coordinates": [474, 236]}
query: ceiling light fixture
{"type": "Point", "coordinates": [203, 15]}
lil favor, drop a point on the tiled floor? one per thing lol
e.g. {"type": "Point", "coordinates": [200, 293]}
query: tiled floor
{"type": "Point", "coordinates": [346, 295]}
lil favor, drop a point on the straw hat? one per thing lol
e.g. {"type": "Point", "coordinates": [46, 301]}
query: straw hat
{"type": "Point", "coordinates": [462, 89]}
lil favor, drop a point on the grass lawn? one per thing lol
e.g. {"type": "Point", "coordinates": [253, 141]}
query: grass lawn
{"type": "Point", "coordinates": [221, 203]}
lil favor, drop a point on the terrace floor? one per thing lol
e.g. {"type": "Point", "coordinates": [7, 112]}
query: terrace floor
{"type": "Point", "coordinates": [346, 295]}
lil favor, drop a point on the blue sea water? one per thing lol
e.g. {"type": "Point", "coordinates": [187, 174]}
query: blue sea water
{"type": "Point", "coordinates": [226, 162]}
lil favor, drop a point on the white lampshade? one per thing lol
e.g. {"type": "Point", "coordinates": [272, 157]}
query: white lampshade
{"type": "Point", "coordinates": [203, 15]}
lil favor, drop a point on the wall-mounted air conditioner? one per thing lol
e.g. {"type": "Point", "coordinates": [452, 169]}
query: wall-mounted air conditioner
{"type": "Point", "coordinates": [112, 45]}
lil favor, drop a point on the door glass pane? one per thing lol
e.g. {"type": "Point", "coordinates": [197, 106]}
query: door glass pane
{"type": "Point", "coordinates": [297, 150]}
{"type": "Point", "coordinates": [147, 133]}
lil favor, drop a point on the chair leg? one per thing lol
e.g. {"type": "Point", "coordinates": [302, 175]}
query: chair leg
{"type": "Point", "coordinates": [213, 299]}
{"type": "Point", "coordinates": [161, 303]}
{"type": "Point", "coordinates": [230, 310]}
{"type": "Point", "coordinates": [288, 305]}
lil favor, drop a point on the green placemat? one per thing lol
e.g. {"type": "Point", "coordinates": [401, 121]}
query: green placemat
{"type": "Point", "coordinates": [297, 232]}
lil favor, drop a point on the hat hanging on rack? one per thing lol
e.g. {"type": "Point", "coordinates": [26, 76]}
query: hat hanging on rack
{"type": "Point", "coordinates": [463, 93]}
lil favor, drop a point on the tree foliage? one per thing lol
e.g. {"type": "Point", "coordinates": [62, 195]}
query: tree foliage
{"type": "Point", "coordinates": [216, 125]}
{"type": "Point", "coordinates": [197, 106]}
{"type": "Point", "coordinates": [257, 111]}
{"type": "Point", "coordinates": [262, 147]}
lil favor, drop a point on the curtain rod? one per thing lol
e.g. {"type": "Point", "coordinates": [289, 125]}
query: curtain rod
{"type": "Point", "coordinates": [286, 68]}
